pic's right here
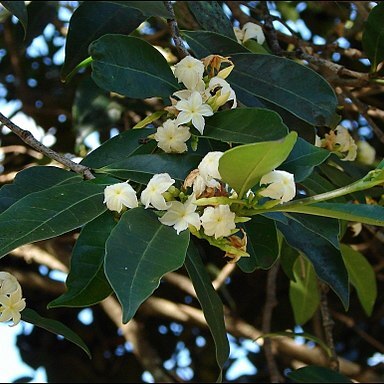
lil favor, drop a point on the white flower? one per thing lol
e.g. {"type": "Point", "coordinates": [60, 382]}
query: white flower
{"type": "Point", "coordinates": [218, 221]}
{"type": "Point", "coordinates": [250, 31]}
{"type": "Point", "coordinates": [11, 305]}
{"type": "Point", "coordinates": [171, 138]}
{"type": "Point", "coordinates": [281, 186]}
{"type": "Point", "coordinates": [366, 154]}
{"type": "Point", "coordinates": [120, 195]}
{"type": "Point", "coordinates": [226, 92]}
{"type": "Point", "coordinates": [209, 166]}
{"type": "Point", "coordinates": [181, 215]}
{"type": "Point", "coordinates": [190, 72]}
{"type": "Point", "coordinates": [152, 195]}
{"type": "Point", "coordinates": [193, 109]}
{"type": "Point", "coordinates": [345, 143]}
{"type": "Point", "coordinates": [8, 283]}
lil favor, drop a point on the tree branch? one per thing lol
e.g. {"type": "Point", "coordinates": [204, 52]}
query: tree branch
{"type": "Point", "coordinates": [29, 139]}
{"type": "Point", "coordinates": [175, 31]}
{"type": "Point", "coordinates": [270, 31]}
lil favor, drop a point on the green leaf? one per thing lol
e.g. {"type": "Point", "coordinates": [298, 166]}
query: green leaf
{"type": "Point", "coordinates": [204, 43]}
{"type": "Point", "coordinates": [285, 83]}
{"type": "Point", "coordinates": [141, 168]}
{"type": "Point", "coordinates": [245, 126]}
{"type": "Point", "coordinates": [242, 167]}
{"type": "Point", "coordinates": [18, 9]}
{"type": "Point", "coordinates": [315, 374]}
{"type": "Point", "coordinates": [210, 302]}
{"type": "Point", "coordinates": [362, 277]}
{"type": "Point", "coordinates": [288, 257]}
{"type": "Point", "coordinates": [262, 244]}
{"type": "Point", "coordinates": [50, 213]}
{"type": "Point", "coordinates": [316, 184]}
{"type": "Point", "coordinates": [326, 259]}
{"type": "Point", "coordinates": [34, 179]}
{"type": "Point", "coordinates": [119, 147]}
{"type": "Point", "coordinates": [131, 67]}
{"type": "Point", "coordinates": [138, 256]}
{"type": "Point", "coordinates": [86, 282]}
{"type": "Point", "coordinates": [363, 213]}
{"type": "Point", "coordinates": [211, 17]}
{"type": "Point", "coordinates": [93, 19]}
{"type": "Point", "coordinates": [54, 326]}
{"type": "Point", "coordinates": [373, 36]}
{"type": "Point", "coordinates": [303, 158]}
{"type": "Point", "coordinates": [303, 292]}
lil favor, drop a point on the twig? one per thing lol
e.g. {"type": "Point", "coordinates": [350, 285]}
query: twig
{"type": "Point", "coordinates": [175, 31]}
{"type": "Point", "coordinates": [270, 31]}
{"type": "Point", "coordinates": [270, 303]}
{"type": "Point", "coordinates": [222, 276]}
{"type": "Point", "coordinates": [29, 139]}
{"type": "Point", "coordinates": [328, 324]}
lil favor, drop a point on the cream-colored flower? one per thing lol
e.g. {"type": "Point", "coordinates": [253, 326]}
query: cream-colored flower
{"type": "Point", "coordinates": [153, 194]}
{"type": "Point", "coordinates": [281, 186]}
{"type": "Point", "coordinates": [340, 141]}
{"type": "Point", "coordinates": [11, 305]}
{"type": "Point", "coordinates": [249, 31]}
{"type": "Point", "coordinates": [171, 137]}
{"type": "Point", "coordinates": [190, 72]}
{"type": "Point", "coordinates": [223, 92]}
{"type": "Point", "coordinates": [193, 109]}
{"type": "Point", "coordinates": [119, 195]}
{"type": "Point", "coordinates": [181, 215]}
{"type": "Point", "coordinates": [218, 221]}
{"type": "Point", "coordinates": [8, 283]}
{"type": "Point", "coordinates": [209, 168]}
{"type": "Point", "coordinates": [366, 154]}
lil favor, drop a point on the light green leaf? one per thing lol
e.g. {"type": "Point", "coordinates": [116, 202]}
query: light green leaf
{"type": "Point", "coordinates": [303, 292]}
{"type": "Point", "coordinates": [86, 282]}
{"type": "Point", "coordinates": [50, 213]}
{"type": "Point", "coordinates": [315, 374]}
{"type": "Point", "coordinates": [362, 277]}
{"type": "Point", "coordinates": [245, 126]}
{"type": "Point", "coordinates": [242, 167]}
{"type": "Point", "coordinates": [93, 19]}
{"type": "Point", "coordinates": [34, 179]}
{"type": "Point", "coordinates": [141, 168]}
{"type": "Point", "coordinates": [121, 146]}
{"type": "Point", "coordinates": [131, 67]}
{"type": "Point", "coordinates": [373, 36]}
{"type": "Point", "coordinates": [54, 326]}
{"type": "Point", "coordinates": [138, 256]}
{"type": "Point", "coordinates": [210, 302]}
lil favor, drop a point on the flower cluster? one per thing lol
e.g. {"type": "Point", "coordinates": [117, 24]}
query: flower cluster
{"type": "Point", "coordinates": [340, 142]}
{"type": "Point", "coordinates": [11, 301]}
{"type": "Point", "coordinates": [204, 205]}
{"type": "Point", "coordinates": [203, 96]}
{"type": "Point", "coordinates": [249, 31]}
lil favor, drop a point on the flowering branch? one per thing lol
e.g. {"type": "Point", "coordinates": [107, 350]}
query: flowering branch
{"type": "Point", "coordinates": [29, 139]}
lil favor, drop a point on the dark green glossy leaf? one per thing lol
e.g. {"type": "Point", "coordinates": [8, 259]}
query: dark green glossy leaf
{"type": "Point", "coordinates": [315, 374]}
{"type": "Point", "coordinates": [326, 259]}
{"type": "Point", "coordinates": [210, 302]}
{"type": "Point", "coordinates": [245, 126]}
{"type": "Point", "coordinates": [18, 9]}
{"type": "Point", "coordinates": [141, 168]}
{"type": "Point", "coordinates": [119, 147]}
{"type": "Point", "coordinates": [373, 36]}
{"type": "Point", "coordinates": [93, 19]}
{"type": "Point", "coordinates": [303, 158]}
{"type": "Point", "coordinates": [362, 277]}
{"type": "Point", "coordinates": [304, 294]}
{"type": "Point", "coordinates": [211, 17]}
{"type": "Point", "coordinates": [325, 227]}
{"type": "Point", "coordinates": [131, 67]}
{"type": "Point", "coordinates": [86, 282]}
{"type": "Point", "coordinates": [204, 43]}
{"type": "Point", "coordinates": [34, 179]}
{"type": "Point", "coordinates": [262, 244]}
{"type": "Point", "coordinates": [54, 326]}
{"type": "Point", "coordinates": [242, 167]}
{"type": "Point", "coordinates": [50, 213]}
{"type": "Point", "coordinates": [363, 213]}
{"type": "Point", "coordinates": [289, 85]}
{"type": "Point", "coordinates": [138, 255]}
